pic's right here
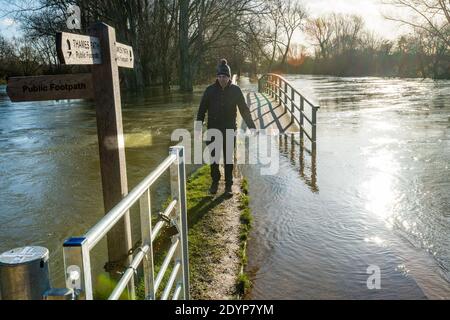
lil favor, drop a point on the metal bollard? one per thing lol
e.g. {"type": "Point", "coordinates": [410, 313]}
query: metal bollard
{"type": "Point", "coordinates": [24, 273]}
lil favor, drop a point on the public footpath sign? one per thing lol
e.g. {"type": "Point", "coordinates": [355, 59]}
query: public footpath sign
{"type": "Point", "coordinates": [100, 50]}
{"type": "Point", "coordinates": [55, 87]}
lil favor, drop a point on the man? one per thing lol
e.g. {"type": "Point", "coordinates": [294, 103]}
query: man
{"type": "Point", "coordinates": [220, 101]}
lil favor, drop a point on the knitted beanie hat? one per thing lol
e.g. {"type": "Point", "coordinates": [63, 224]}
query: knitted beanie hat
{"type": "Point", "coordinates": [224, 68]}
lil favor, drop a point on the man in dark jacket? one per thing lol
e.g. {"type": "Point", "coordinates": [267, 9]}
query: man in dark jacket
{"type": "Point", "coordinates": [220, 101]}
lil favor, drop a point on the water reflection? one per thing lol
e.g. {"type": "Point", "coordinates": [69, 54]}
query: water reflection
{"type": "Point", "coordinates": [301, 157]}
{"type": "Point", "coordinates": [380, 188]}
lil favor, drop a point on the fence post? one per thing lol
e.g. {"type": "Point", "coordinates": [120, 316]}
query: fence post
{"type": "Point", "coordinates": [276, 89]}
{"type": "Point", "coordinates": [178, 187]}
{"type": "Point", "coordinates": [269, 85]}
{"type": "Point", "coordinates": [302, 103]}
{"type": "Point", "coordinates": [272, 87]}
{"type": "Point", "coordinates": [314, 120]}
{"type": "Point", "coordinates": [266, 84]}
{"type": "Point", "coordinates": [77, 268]}
{"type": "Point", "coordinates": [285, 95]}
{"type": "Point", "coordinates": [292, 104]}
{"type": "Point", "coordinates": [279, 90]}
{"type": "Point", "coordinates": [146, 236]}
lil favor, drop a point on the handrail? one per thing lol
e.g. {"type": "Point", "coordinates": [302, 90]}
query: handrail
{"type": "Point", "coordinates": [289, 84]}
{"type": "Point", "coordinates": [96, 233]}
{"type": "Point", "coordinates": [282, 91]}
{"type": "Point", "coordinates": [77, 261]}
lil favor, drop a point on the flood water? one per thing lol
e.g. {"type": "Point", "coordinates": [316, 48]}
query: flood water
{"type": "Point", "coordinates": [377, 193]}
{"type": "Point", "coordinates": [50, 172]}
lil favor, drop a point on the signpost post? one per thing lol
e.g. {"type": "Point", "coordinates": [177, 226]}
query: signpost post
{"type": "Point", "coordinates": [100, 50]}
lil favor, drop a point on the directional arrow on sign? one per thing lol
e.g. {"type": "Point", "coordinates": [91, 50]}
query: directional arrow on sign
{"type": "Point", "coordinates": [78, 49]}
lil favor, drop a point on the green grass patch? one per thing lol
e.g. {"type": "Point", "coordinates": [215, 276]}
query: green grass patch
{"type": "Point", "coordinates": [243, 284]}
{"type": "Point", "coordinates": [203, 248]}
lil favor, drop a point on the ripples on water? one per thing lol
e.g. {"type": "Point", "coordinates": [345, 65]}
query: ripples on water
{"type": "Point", "coordinates": [383, 196]}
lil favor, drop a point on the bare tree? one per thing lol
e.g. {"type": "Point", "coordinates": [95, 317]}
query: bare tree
{"type": "Point", "coordinates": [293, 18]}
{"type": "Point", "coordinates": [204, 25]}
{"type": "Point", "coordinates": [347, 29]}
{"type": "Point", "coordinates": [432, 16]}
{"type": "Point", "coordinates": [321, 31]}
{"type": "Point", "coordinates": [271, 32]}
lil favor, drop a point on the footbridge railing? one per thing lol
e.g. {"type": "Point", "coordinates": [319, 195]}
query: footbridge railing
{"type": "Point", "coordinates": [302, 111]}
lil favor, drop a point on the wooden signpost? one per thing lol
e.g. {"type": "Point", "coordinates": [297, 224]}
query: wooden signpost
{"type": "Point", "coordinates": [100, 50]}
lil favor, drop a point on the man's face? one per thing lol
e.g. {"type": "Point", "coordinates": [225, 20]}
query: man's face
{"type": "Point", "coordinates": [223, 80]}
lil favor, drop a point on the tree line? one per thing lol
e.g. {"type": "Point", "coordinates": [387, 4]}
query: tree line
{"type": "Point", "coordinates": [179, 42]}
{"type": "Point", "coordinates": [344, 47]}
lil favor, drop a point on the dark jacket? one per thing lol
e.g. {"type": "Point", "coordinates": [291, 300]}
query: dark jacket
{"type": "Point", "coordinates": [221, 107]}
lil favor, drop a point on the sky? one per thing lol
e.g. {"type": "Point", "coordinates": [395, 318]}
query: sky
{"type": "Point", "coordinates": [371, 10]}
{"type": "Point", "coordinates": [8, 27]}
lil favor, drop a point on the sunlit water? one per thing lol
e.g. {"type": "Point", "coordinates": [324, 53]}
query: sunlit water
{"type": "Point", "coordinates": [382, 196]}
{"type": "Point", "coordinates": [378, 195]}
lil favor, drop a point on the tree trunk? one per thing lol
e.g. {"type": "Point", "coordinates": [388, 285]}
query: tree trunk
{"type": "Point", "coordinates": [186, 83]}
{"type": "Point", "coordinates": [135, 42]}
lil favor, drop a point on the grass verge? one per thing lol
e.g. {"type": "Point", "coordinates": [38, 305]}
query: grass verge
{"type": "Point", "coordinates": [243, 281]}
